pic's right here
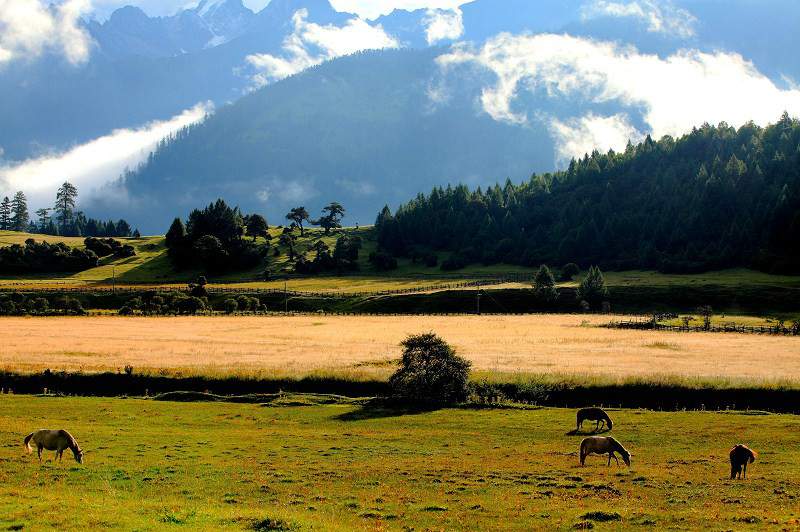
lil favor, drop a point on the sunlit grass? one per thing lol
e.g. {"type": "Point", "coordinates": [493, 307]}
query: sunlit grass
{"type": "Point", "coordinates": [532, 344]}
{"type": "Point", "coordinates": [219, 466]}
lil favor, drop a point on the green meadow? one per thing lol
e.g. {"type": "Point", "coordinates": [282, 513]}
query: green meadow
{"type": "Point", "coordinates": [160, 465]}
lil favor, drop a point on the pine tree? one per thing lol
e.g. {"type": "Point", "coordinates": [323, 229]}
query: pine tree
{"type": "Point", "coordinates": [65, 203]}
{"type": "Point", "coordinates": [5, 214]}
{"type": "Point", "coordinates": [176, 233]}
{"type": "Point", "coordinates": [19, 206]}
{"type": "Point", "coordinates": [44, 216]}
{"type": "Point", "coordinates": [593, 288]}
{"type": "Point", "coordinates": [544, 285]}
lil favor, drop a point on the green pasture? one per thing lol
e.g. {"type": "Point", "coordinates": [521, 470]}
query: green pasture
{"type": "Point", "coordinates": [157, 465]}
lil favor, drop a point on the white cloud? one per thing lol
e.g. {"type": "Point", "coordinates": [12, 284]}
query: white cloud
{"type": "Point", "coordinates": [578, 136]}
{"type": "Point", "coordinates": [372, 9]}
{"type": "Point", "coordinates": [28, 28]}
{"type": "Point", "coordinates": [672, 94]}
{"type": "Point", "coordinates": [310, 44]}
{"type": "Point", "coordinates": [91, 165]}
{"type": "Point", "coordinates": [443, 24]}
{"type": "Point", "coordinates": [660, 17]}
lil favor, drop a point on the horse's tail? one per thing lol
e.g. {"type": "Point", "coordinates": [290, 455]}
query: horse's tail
{"type": "Point", "coordinates": [27, 443]}
{"type": "Point", "coordinates": [583, 451]}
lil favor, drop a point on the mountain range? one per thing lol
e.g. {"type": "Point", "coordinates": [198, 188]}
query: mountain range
{"type": "Point", "coordinates": [367, 129]}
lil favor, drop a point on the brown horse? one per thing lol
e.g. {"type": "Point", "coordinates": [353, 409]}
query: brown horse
{"type": "Point", "coordinates": [741, 455]}
{"type": "Point", "coordinates": [54, 440]}
{"type": "Point", "coordinates": [604, 445]}
{"type": "Point", "coordinates": [594, 414]}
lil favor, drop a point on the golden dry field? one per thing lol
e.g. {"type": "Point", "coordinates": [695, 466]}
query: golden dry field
{"type": "Point", "coordinates": [300, 345]}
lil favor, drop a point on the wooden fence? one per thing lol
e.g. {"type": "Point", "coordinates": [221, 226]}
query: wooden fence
{"type": "Point", "coordinates": [731, 327]}
{"type": "Point", "coordinates": [340, 294]}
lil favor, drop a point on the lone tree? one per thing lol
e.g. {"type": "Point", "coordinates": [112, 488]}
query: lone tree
{"type": "Point", "coordinates": [333, 219]}
{"type": "Point", "coordinates": [593, 288]}
{"type": "Point", "coordinates": [257, 226]}
{"type": "Point", "coordinates": [430, 372]}
{"type": "Point", "coordinates": [297, 216]}
{"type": "Point", "coordinates": [19, 206]}
{"type": "Point", "coordinates": [5, 214]}
{"type": "Point", "coordinates": [544, 285]}
{"type": "Point", "coordinates": [65, 203]}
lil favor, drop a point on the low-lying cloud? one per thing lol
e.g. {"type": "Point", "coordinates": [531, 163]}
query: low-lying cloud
{"type": "Point", "coordinates": [671, 94]}
{"type": "Point", "coordinates": [372, 9]}
{"type": "Point", "coordinates": [310, 44]}
{"type": "Point", "coordinates": [92, 165]}
{"type": "Point", "coordinates": [443, 25]}
{"type": "Point", "coordinates": [28, 28]}
{"type": "Point", "coordinates": [660, 17]}
{"type": "Point", "coordinates": [585, 134]}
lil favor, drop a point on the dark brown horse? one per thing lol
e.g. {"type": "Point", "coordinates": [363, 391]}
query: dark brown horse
{"type": "Point", "coordinates": [741, 455]}
{"type": "Point", "coordinates": [594, 414]}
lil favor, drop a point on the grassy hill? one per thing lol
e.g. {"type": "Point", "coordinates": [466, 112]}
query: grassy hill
{"type": "Point", "coordinates": [739, 291]}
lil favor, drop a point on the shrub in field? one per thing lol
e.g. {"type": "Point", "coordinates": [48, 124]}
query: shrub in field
{"type": "Point", "coordinates": [230, 305]}
{"type": "Point", "coordinates": [40, 305]}
{"type": "Point", "coordinates": [568, 271]}
{"type": "Point", "coordinates": [430, 372]}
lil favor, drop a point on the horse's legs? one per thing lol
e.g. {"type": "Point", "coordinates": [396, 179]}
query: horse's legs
{"type": "Point", "coordinates": [39, 452]}
{"type": "Point", "coordinates": [615, 458]}
{"type": "Point", "coordinates": [745, 470]}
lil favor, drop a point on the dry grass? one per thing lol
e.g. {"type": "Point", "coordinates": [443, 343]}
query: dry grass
{"type": "Point", "coordinates": [555, 344]}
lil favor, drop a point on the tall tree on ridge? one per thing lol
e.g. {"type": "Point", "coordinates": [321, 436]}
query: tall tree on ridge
{"type": "Point", "coordinates": [332, 219]}
{"type": "Point", "coordinates": [19, 206]}
{"type": "Point", "coordinates": [65, 203]}
{"type": "Point", "coordinates": [297, 215]}
{"type": "Point", "coordinates": [5, 214]}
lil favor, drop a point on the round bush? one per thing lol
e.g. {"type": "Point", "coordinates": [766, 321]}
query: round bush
{"type": "Point", "coordinates": [430, 372]}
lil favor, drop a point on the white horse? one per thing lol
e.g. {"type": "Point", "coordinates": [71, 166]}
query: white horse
{"type": "Point", "coordinates": [54, 440]}
{"type": "Point", "coordinates": [604, 445]}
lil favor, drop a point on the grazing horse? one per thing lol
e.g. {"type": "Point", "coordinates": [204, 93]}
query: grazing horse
{"type": "Point", "coordinates": [740, 457]}
{"type": "Point", "coordinates": [594, 414]}
{"type": "Point", "coordinates": [604, 445]}
{"type": "Point", "coordinates": [54, 440]}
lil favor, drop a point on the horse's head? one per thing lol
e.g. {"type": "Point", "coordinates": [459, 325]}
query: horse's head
{"type": "Point", "coordinates": [78, 455]}
{"type": "Point", "coordinates": [626, 457]}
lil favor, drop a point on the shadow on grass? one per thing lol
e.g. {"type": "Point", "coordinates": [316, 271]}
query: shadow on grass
{"type": "Point", "coordinates": [576, 432]}
{"type": "Point", "coordinates": [378, 409]}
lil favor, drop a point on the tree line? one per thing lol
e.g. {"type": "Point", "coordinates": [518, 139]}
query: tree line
{"type": "Point", "coordinates": [61, 220]}
{"type": "Point", "coordinates": [715, 198]}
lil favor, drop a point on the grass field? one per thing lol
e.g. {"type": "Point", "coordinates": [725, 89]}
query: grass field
{"type": "Point", "coordinates": [369, 345]}
{"type": "Point", "coordinates": [164, 466]}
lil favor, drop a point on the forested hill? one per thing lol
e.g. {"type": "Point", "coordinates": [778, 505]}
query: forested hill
{"type": "Point", "coordinates": [714, 198]}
